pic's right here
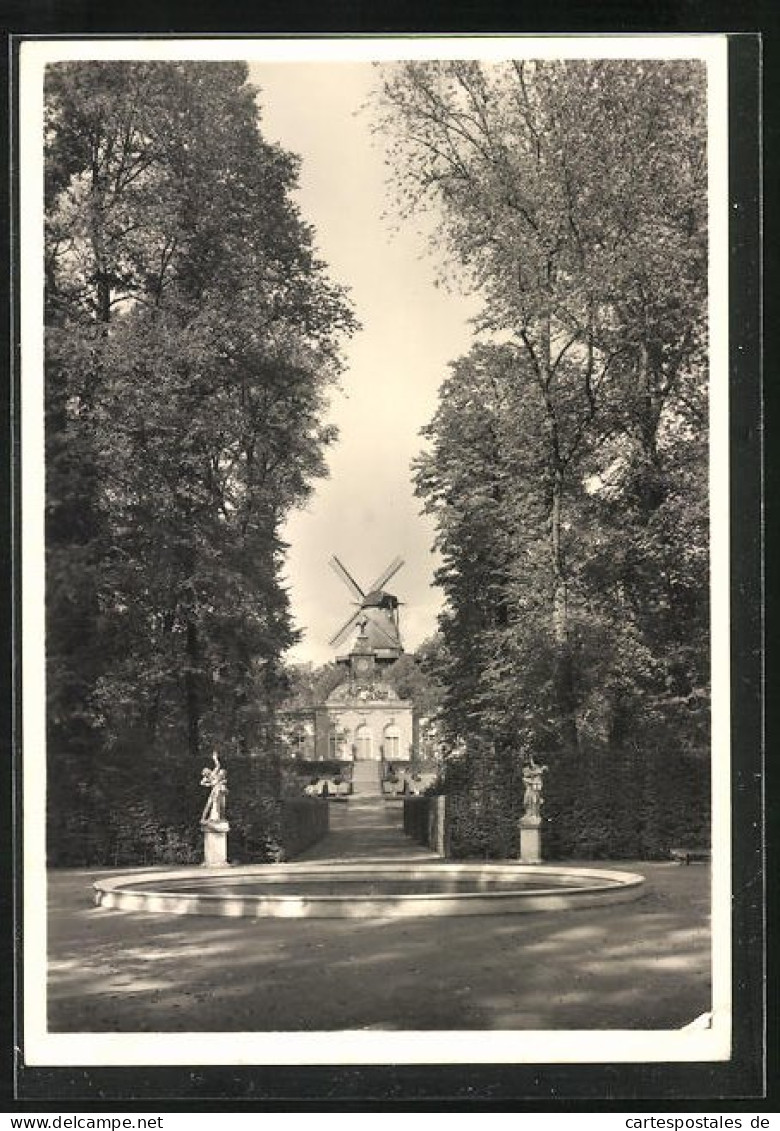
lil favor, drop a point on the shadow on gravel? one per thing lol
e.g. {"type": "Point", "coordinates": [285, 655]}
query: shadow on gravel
{"type": "Point", "coordinates": [643, 965]}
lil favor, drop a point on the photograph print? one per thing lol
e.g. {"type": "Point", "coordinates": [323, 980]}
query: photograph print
{"type": "Point", "coordinates": [375, 430]}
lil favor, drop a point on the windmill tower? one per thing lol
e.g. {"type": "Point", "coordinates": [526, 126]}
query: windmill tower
{"type": "Point", "coordinates": [375, 616]}
{"type": "Point", "coordinates": [363, 719]}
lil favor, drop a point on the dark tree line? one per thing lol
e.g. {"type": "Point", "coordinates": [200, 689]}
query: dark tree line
{"type": "Point", "coordinates": [566, 466]}
{"type": "Point", "coordinates": [192, 335]}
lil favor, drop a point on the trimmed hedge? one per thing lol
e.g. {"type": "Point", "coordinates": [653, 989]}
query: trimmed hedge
{"type": "Point", "coordinates": [598, 805]}
{"type": "Point", "coordinates": [159, 824]}
{"type": "Point", "coordinates": [304, 821]}
{"type": "Point", "coordinates": [425, 821]}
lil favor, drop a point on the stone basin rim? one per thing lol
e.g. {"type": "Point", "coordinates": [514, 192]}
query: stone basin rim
{"type": "Point", "coordinates": [134, 889]}
{"type": "Point", "coordinates": [428, 865]}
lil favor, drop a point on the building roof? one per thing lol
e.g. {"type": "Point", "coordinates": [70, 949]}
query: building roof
{"type": "Point", "coordinates": [378, 693]}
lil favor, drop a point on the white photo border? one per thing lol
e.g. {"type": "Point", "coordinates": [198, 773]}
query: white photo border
{"type": "Point", "coordinates": [42, 1048]}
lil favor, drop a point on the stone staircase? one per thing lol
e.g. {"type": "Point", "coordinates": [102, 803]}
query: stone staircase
{"type": "Point", "coordinates": [367, 779]}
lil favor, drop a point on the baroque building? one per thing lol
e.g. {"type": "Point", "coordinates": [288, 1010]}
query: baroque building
{"type": "Point", "coordinates": [363, 718]}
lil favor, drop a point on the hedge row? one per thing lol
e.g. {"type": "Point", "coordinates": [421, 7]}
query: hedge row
{"type": "Point", "coordinates": [156, 823]}
{"type": "Point", "coordinates": [425, 821]}
{"type": "Point", "coordinates": [597, 806]}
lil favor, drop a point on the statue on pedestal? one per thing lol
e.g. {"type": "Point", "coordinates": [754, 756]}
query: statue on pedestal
{"type": "Point", "coordinates": [215, 827]}
{"type": "Point", "coordinates": [532, 780]}
{"type": "Point", "coordinates": [216, 779]}
{"type": "Point", "coordinates": [531, 820]}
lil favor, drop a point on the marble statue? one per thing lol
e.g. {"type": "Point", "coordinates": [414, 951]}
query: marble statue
{"type": "Point", "coordinates": [216, 779]}
{"type": "Point", "coordinates": [532, 780]}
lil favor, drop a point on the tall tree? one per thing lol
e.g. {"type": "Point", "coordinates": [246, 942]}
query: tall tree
{"type": "Point", "coordinates": [572, 196]}
{"type": "Point", "coordinates": [192, 337]}
{"type": "Point", "coordinates": [569, 192]}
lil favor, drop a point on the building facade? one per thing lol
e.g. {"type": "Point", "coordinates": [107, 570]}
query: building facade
{"type": "Point", "coordinates": [363, 719]}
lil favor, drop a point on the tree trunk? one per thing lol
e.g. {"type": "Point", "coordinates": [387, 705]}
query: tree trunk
{"type": "Point", "coordinates": [563, 675]}
{"type": "Point", "coordinates": [560, 609]}
{"type": "Point", "coordinates": [152, 717]}
{"type": "Point", "coordinates": [103, 299]}
{"type": "Point", "coordinates": [564, 667]}
{"type": "Point", "coordinates": [191, 689]}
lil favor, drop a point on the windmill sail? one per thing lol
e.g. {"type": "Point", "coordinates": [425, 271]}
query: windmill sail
{"type": "Point", "coordinates": [386, 574]}
{"type": "Point", "coordinates": [378, 609]}
{"type": "Point", "coordinates": [341, 571]}
{"type": "Point", "coordinates": [343, 632]}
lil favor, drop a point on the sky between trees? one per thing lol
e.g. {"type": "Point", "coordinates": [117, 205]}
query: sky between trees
{"type": "Point", "coordinates": [366, 511]}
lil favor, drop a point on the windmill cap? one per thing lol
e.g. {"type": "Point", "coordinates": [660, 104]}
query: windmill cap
{"type": "Point", "coordinates": [379, 599]}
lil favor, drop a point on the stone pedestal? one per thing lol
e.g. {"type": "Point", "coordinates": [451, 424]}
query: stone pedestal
{"type": "Point", "coordinates": [531, 840]}
{"type": "Point", "coordinates": [215, 843]}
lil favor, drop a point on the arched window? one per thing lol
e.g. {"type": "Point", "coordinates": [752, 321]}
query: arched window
{"type": "Point", "coordinates": [392, 742]}
{"type": "Point", "coordinates": [363, 742]}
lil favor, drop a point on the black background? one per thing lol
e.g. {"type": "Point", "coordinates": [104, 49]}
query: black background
{"type": "Point", "coordinates": [746, 1083]}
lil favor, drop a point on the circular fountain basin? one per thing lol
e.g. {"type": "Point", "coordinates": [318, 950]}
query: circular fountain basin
{"type": "Point", "coordinates": [359, 891]}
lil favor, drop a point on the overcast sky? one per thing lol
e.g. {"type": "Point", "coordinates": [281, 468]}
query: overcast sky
{"type": "Point", "coordinates": [365, 512]}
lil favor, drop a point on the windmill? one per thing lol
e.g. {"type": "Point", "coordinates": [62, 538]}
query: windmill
{"type": "Point", "coordinates": [376, 614]}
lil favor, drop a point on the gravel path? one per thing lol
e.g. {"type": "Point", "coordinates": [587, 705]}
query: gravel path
{"type": "Point", "coordinates": [366, 828]}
